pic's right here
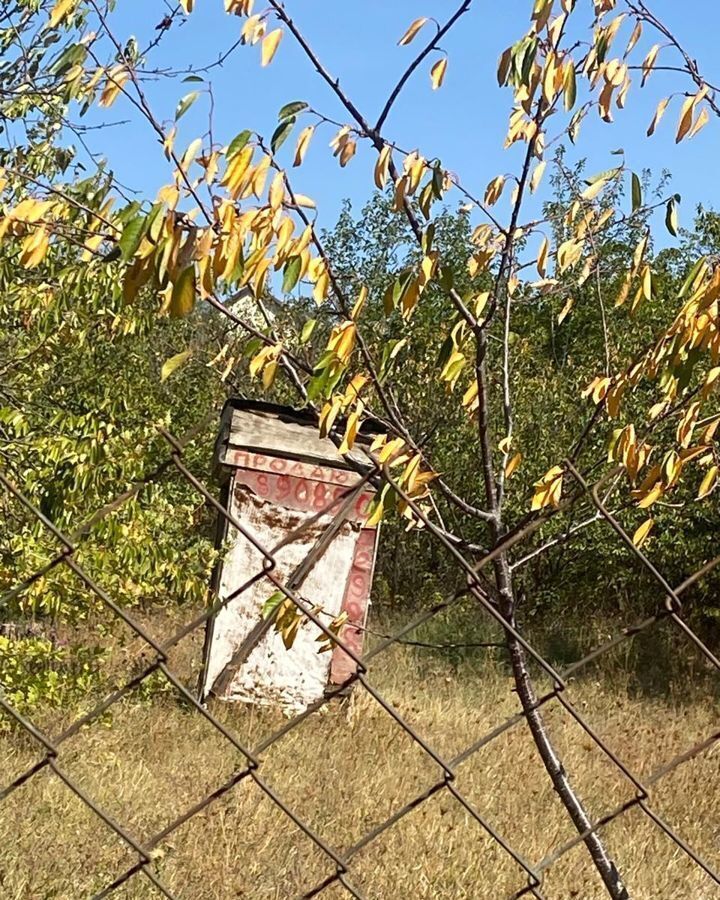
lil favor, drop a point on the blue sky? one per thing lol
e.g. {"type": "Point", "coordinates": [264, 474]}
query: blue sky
{"type": "Point", "coordinates": [463, 123]}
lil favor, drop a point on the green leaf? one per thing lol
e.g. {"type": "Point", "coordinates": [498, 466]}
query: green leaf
{"type": "Point", "coordinates": [291, 274]}
{"type": "Point", "coordinates": [307, 330]}
{"type": "Point", "coordinates": [291, 109]}
{"type": "Point", "coordinates": [182, 300]}
{"type": "Point", "coordinates": [237, 143]}
{"type": "Point", "coordinates": [603, 176]}
{"type": "Point", "coordinates": [446, 350]}
{"type": "Point", "coordinates": [570, 89]}
{"type": "Point", "coordinates": [131, 237]}
{"type": "Point", "coordinates": [637, 198]}
{"type": "Point", "coordinates": [691, 276]}
{"type": "Point", "coordinates": [185, 104]}
{"type": "Point", "coordinates": [152, 218]}
{"type": "Point", "coordinates": [317, 385]}
{"type": "Point", "coordinates": [195, 79]}
{"type": "Point", "coordinates": [671, 217]}
{"type": "Point", "coordinates": [272, 603]}
{"type": "Point", "coordinates": [281, 133]}
{"type": "Point", "coordinates": [170, 365]}
{"type": "Point", "coordinates": [71, 56]}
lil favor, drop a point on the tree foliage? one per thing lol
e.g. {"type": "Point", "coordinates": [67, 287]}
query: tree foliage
{"type": "Point", "coordinates": [516, 353]}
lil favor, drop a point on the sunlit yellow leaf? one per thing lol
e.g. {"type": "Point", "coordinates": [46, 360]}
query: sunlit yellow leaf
{"type": "Point", "coordinates": [659, 113]}
{"type": "Point", "coordinates": [182, 299]}
{"type": "Point", "coordinates": [61, 11]}
{"type": "Point", "coordinates": [494, 190]}
{"type": "Point", "coordinates": [649, 63]}
{"type": "Point", "coordinates": [34, 248]}
{"type": "Point", "coordinates": [269, 373]}
{"type": "Point", "coordinates": [548, 490]}
{"type": "Point", "coordinates": [537, 175]}
{"type": "Point", "coordinates": [686, 117]}
{"type": "Point", "coordinates": [376, 510]}
{"type": "Point", "coordinates": [269, 46]}
{"type": "Point", "coordinates": [303, 144]}
{"type": "Point", "coordinates": [170, 365]}
{"type": "Point", "coordinates": [542, 257]}
{"type": "Point", "coordinates": [347, 152]}
{"type": "Point", "coordinates": [359, 303]}
{"type": "Point", "coordinates": [709, 482]}
{"type": "Point", "coordinates": [277, 191]}
{"type": "Point", "coordinates": [700, 122]}
{"type": "Point", "coordinates": [437, 73]}
{"type": "Point", "coordinates": [651, 497]}
{"type": "Point", "coordinates": [634, 38]}
{"type": "Point", "coordinates": [412, 31]}
{"type": "Point", "coordinates": [641, 534]}
{"type": "Point", "coordinates": [566, 310]}
{"type": "Point", "coordinates": [306, 202]}
{"type": "Point", "coordinates": [382, 165]}
{"type": "Point", "coordinates": [512, 465]}
{"type": "Point", "coordinates": [114, 84]}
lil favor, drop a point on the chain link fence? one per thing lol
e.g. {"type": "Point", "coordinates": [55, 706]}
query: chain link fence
{"type": "Point", "coordinates": [531, 872]}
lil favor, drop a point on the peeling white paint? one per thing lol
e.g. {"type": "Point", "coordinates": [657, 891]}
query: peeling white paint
{"type": "Point", "coordinates": [273, 675]}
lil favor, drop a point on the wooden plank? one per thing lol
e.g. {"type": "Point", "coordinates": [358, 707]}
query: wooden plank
{"type": "Point", "coordinates": [265, 433]}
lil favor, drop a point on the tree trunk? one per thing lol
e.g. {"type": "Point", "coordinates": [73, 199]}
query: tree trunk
{"type": "Point", "coordinates": [550, 759]}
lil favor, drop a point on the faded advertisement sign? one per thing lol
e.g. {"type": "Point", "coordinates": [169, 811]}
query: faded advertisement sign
{"type": "Point", "coordinates": [289, 489]}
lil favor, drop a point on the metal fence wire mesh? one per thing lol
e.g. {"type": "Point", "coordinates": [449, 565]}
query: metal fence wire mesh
{"type": "Point", "coordinates": [530, 872]}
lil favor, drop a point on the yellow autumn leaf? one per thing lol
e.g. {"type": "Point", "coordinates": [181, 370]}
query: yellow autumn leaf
{"type": "Point", "coordinates": [381, 166]}
{"type": "Point", "coordinates": [269, 46]}
{"type": "Point", "coordinates": [305, 202]}
{"type": "Point", "coordinates": [351, 431]}
{"type": "Point", "coordinates": [537, 175]}
{"type": "Point", "coordinates": [347, 152]}
{"type": "Point", "coordinates": [548, 489]}
{"type": "Point", "coordinates": [649, 63]}
{"type": "Point", "coordinates": [642, 533]}
{"type": "Point", "coordinates": [359, 303]}
{"type": "Point", "coordinates": [302, 144]}
{"type": "Point", "coordinates": [114, 84]}
{"type": "Point", "coordinates": [651, 497]}
{"type": "Point", "coordinates": [187, 6]}
{"type": "Point", "coordinates": [376, 510]}
{"type": "Point", "coordinates": [470, 397]}
{"type": "Point", "coordinates": [494, 190]}
{"type": "Point", "coordinates": [708, 483]}
{"type": "Point", "coordinates": [542, 257]}
{"type": "Point", "coordinates": [512, 465]}
{"type": "Point", "coordinates": [182, 299]}
{"type": "Point", "coordinates": [277, 191]}
{"type": "Point", "coordinates": [700, 122]}
{"type": "Point", "coordinates": [412, 30]}
{"type": "Point", "coordinates": [437, 73]}
{"type": "Point", "coordinates": [659, 113]}
{"type": "Point", "coordinates": [269, 373]}
{"type": "Point", "coordinates": [686, 117]}
{"type": "Point", "coordinates": [34, 248]}
{"type": "Point", "coordinates": [60, 11]}
{"type": "Point", "coordinates": [566, 310]}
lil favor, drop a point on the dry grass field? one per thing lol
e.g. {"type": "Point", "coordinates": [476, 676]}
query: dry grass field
{"type": "Point", "coordinates": [348, 768]}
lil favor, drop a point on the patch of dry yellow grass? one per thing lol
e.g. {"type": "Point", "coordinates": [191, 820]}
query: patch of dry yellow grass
{"type": "Point", "coordinates": [343, 772]}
